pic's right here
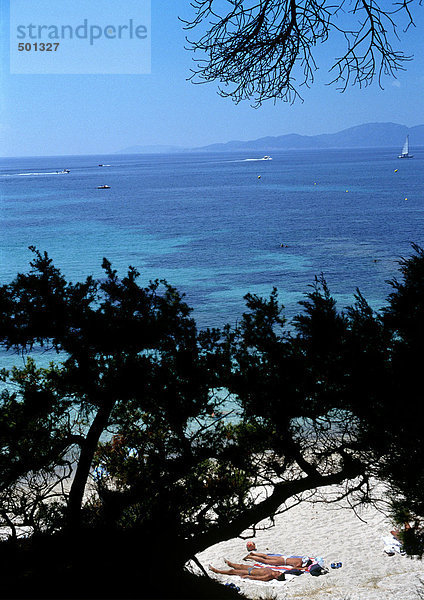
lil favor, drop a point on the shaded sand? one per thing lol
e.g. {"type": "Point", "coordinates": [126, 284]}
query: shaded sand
{"type": "Point", "coordinates": [334, 532]}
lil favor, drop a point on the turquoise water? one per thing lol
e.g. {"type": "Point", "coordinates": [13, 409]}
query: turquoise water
{"type": "Point", "coordinates": [211, 227]}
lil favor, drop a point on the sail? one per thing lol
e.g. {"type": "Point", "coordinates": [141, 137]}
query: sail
{"type": "Point", "coordinates": [405, 149]}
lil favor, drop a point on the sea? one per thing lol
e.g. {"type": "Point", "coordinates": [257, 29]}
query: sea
{"type": "Point", "coordinates": [220, 225]}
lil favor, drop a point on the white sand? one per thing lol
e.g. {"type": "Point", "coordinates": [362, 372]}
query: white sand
{"type": "Point", "coordinates": [334, 532]}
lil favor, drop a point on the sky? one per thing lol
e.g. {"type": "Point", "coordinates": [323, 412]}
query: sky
{"type": "Point", "coordinates": [51, 113]}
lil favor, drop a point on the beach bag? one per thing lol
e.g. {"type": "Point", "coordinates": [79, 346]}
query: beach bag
{"type": "Point", "coordinates": [315, 570]}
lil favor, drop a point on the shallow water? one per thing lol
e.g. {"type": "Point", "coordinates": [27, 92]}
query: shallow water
{"type": "Point", "coordinates": [209, 225]}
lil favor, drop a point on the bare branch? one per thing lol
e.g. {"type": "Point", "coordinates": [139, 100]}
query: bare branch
{"type": "Point", "coordinates": [263, 49]}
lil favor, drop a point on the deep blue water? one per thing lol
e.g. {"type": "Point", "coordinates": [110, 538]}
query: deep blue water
{"type": "Point", "coordinates": [211, 227]}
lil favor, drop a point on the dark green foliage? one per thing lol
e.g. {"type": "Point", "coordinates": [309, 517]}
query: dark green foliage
{"type": "Point", "coordinates": [137, 409]}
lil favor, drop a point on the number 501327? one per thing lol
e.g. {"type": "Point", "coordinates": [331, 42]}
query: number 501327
{"type": "Point", "coordinates": [38, 46]}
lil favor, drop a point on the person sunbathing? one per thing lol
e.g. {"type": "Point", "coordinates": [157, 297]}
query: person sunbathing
{"type": "Point", "coordinates": [397, 533]}
{"type": "Point", "coordinates": [246, 572]}
{"type": "Point", "coordinates": [277, 560]}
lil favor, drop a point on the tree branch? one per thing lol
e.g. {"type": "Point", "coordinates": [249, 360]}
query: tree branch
{"type": "Point", "coordinates": [282, 492]}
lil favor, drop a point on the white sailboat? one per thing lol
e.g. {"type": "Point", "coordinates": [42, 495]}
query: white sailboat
{"type": "Point", "coordinates": [405, 150]}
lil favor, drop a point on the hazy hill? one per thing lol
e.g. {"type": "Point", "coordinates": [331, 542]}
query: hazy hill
{"type": "Point", "coordinates": [369, 135]}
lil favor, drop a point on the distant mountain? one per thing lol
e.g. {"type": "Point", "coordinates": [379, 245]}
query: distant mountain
{"type": "Point", "coordinates": [159, 149]}
{"type": "Point", "coordinates": [369, 135]}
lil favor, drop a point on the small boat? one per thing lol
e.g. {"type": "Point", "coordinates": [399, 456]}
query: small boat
{"type": "Point", "coordinates": [104, 165]}
{"type": "Point", "coordinates": [103, 187]}
{"type": "Point", "coordinates": [405, 150]}
{"type": "Point", "coordinates": [66, 171]}
{"type": "Point", "coordinates": [266, 157]}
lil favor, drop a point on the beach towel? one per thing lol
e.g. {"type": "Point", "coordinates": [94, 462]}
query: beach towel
{"type": "Point", "coordinates": [392, 545]}
{"type": "Point", "coordinates": [315, 562]}
{"type": "Point", "coordinates": [281, 568]}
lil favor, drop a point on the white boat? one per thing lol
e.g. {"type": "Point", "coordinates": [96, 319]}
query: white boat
{"type": "Point", "coordinates": [103, 187]}
{"type": "Point", "coordinates": [266, 158]}
{"type": "Point", "coordinates": [405, 150]}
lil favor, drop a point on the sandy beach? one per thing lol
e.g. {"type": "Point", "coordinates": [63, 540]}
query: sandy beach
{"type": "Point", "coordinates": [336, 533]}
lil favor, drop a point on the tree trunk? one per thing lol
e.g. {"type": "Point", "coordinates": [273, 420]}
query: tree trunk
{"type": "Point", "coordinates": [88, 448]}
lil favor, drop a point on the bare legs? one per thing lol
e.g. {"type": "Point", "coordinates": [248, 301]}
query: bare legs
{"type": "Point", "coordinates": [274, 560]}
{"type": "Point", "coordinates": [265, 558]}
{"type": "Point", "coordinates": [259, 574]}
{"type": "Point", "coordinates": [225, 571]}
{"type": "Point", "coordinates": [236, 569]}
